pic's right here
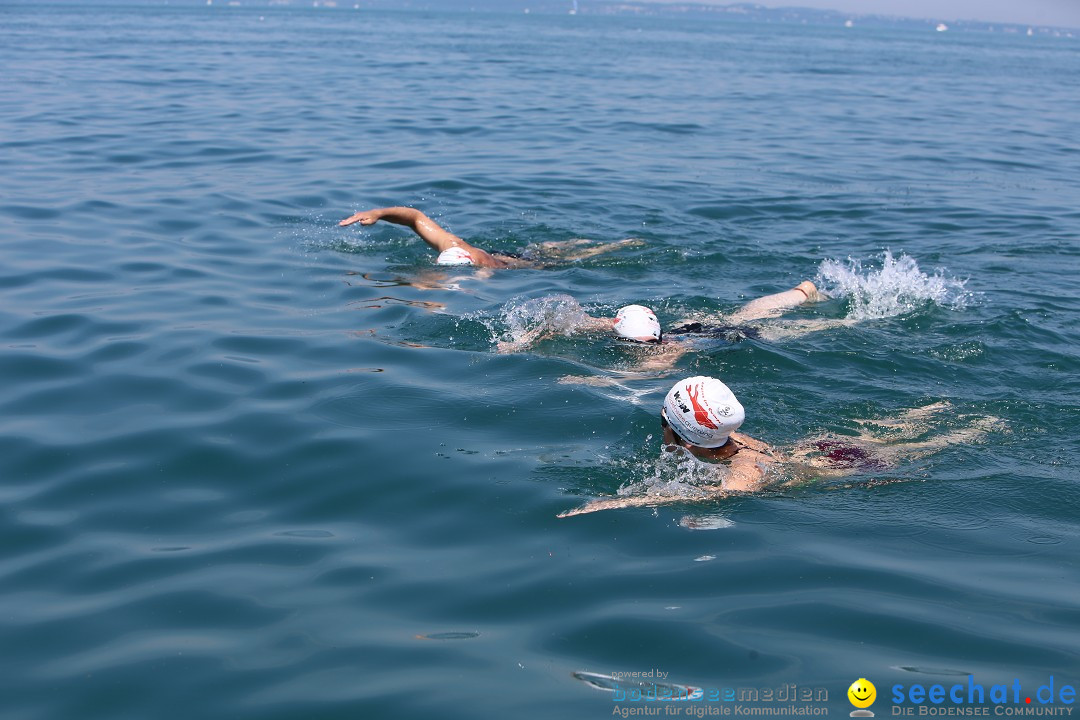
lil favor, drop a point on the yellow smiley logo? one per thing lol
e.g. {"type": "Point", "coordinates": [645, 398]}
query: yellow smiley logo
{"type": "Point", "coordinates": [862, 693]}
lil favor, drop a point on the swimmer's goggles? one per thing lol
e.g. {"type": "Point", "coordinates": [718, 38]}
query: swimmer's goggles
{"type": "Point", "coordinates": [635, 341]}
{"type": "Point", "coordinates": [667, 426]}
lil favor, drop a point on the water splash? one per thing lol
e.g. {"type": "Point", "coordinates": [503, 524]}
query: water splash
{"type": "Point", "coordinates": [676, 475]}
{"type": "Point", "coordinates": [898, 287]}
{"type": "Point", "coordinates": [551, 315]}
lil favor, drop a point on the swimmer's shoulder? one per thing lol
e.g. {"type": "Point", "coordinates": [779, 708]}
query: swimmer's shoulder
{"type": "Point", "coordinates": [482, 258]}
{"type": "Point", "coordinates": [746, 471]}
{"type": "Point", "coordinates": [751, 443]}
{"type": "Point", "coordinates": [750, 465]}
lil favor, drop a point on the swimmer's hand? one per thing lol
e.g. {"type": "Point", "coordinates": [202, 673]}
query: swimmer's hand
{"type": "Point", "coordinates": [634, 501]}
{"type": "Point", "coordinates": [614, 504]}
{"type": "Point", "coordinates": [365, 217]}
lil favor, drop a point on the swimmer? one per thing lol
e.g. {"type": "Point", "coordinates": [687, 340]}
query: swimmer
{"type": "Point", "coordinates": [633, 323]}
{"type": "Point", "coordinates": [745, 323]}
{"type": "Point", "coordinates": [638, 324]}
{"type": "Point", "coordinates": [453, 251]}
{"type": "Point", "coordinates": [700, 416]}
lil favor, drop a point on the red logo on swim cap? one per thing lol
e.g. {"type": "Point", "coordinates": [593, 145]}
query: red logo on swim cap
{"type": "Point", "coordinates": [700, 414]}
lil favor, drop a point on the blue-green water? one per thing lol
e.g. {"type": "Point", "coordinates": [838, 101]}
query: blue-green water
{"type": "Point", "coordinates": [247, 470]}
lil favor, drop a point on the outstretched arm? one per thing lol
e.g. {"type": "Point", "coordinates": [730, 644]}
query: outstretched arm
{"type": "Point", "coordinates": [773, 305]}
{"type": "Point", "coordinates": [428, 230]}
{"type": "Point", "coordinates": [542, 332]}
{"type": "Point", "coordinates": [413, 219]}
{"type": "Point", "coordinates": [618, 503]}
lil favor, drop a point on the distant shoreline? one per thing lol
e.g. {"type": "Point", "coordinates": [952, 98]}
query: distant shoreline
{"type": "Point", "coordinates": [739, 12]}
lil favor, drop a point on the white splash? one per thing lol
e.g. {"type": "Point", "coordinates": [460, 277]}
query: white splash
{"type": "Point", "coordinates": [551, 315]}
{"type": "Point", "coordinates": [676, 475]}
{"type": "Point", "coordinates": [896, 288]}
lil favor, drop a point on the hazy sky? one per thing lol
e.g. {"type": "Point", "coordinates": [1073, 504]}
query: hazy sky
{"type": "Point", "coordinates": [1035, 12]}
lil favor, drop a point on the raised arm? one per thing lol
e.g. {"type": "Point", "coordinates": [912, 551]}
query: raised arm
{"type": "Point", "coordinates": [773, 305]}
{"type": "Point", "coordinates": [428, 230]}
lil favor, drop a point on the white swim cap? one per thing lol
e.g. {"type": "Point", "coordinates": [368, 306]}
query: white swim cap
{"type": "Point", "coordinates": [703, 411]}
{"type": "Point", "coordinates": [637, 322]}
{"type": "Point", "coordinates": [454, 256]}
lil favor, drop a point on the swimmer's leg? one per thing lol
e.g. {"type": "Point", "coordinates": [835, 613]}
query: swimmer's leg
{"type": "Point", "coordinates": [784, 329]}
{"type": "Point", "coordinates": [976, 431]}
{"type": "Point", "coordinates": [570, 250]}
{"type": "Point", "coordinates": [908, 424]}
{"type": "Point", "coordinates": [822, 461]}
{"type": "Point", "coordinates": [555, 246]}
{"type": "Point", "coordinates": [919, 413]}
{"type": "Point", "coordinates": [893, 451]}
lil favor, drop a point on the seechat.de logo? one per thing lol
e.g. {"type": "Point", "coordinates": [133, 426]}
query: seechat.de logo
{"type": "Point", "coordinates": [862, 694]}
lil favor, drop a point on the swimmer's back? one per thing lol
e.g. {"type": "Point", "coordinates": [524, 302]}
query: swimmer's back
{"type": "Point", "coordinates": [729, 333]}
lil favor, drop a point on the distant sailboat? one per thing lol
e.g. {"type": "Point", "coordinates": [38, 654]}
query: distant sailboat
{"type": "Point", "coordinates": [942, 27]}
{"type": "Point", "coordinates": [573, 10]}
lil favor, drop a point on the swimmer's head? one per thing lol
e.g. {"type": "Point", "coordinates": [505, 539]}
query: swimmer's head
{"type": "Point", "coordinates": [702, 411]}
{"type": "Point", "coordinates": [454, 256]}
{"type": "Point", "coordinates": [637, 323]}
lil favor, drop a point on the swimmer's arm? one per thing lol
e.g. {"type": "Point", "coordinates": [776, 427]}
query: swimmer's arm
{"type": "Point", "coordinates": [428, 230]}
{"type": "Point", "coordinates": [528, 338]}
{"type": "Point", "coordinates": [661, 358]}
{"type": "Point", "coordinates": [590, 324]}
{"type": "Point", "coordinates": [618, 503]}
{"type": "Point", "coordinates": [773, 305]}
{"type": "Point", "coordinates": [597, 324]}
{"type": "Point", "coordinates": [657, 360]}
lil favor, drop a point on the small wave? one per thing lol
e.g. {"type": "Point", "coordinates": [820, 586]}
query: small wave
{"type": "Point", "coordinates": [898, 287]}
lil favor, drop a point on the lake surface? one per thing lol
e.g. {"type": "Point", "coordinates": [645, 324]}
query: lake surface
{"type": "Point", "coordinates": [254, 465]}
